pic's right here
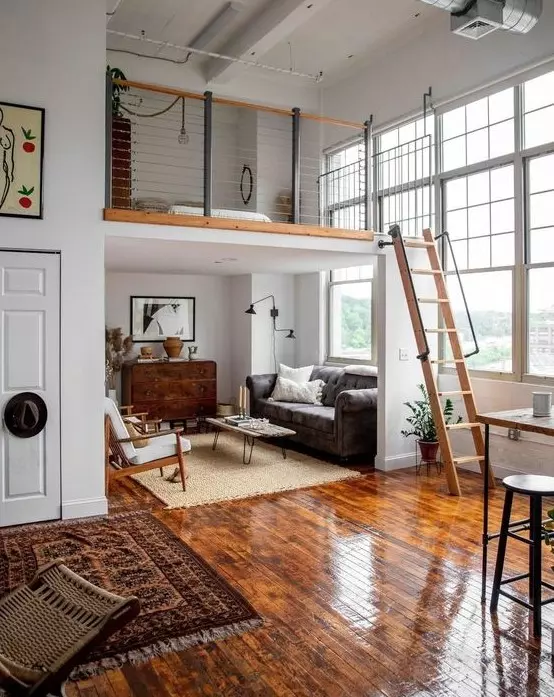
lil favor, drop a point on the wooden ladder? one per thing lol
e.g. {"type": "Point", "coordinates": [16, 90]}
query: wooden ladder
{"type": "Point", "coordinates": [435, 270]}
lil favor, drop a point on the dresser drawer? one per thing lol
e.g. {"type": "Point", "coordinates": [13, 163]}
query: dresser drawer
{"type": "Point", "coordinates": [178, 409]}
{"type": "Point", "coordinates": [168, 389]}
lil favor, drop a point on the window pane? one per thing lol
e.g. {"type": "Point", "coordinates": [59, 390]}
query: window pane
{"type": "Point", "coordinates": [501, 106]}
{"type": "Point", "coordinates": [456, 224]}
{"type": "Point", "coordinates": [541, 174]}
{"type": "Point", "coordinates": [454, 123]}
{"type": "Point", "coordinates": [502, 217]}
{"type": "Point", "coordinates": [489, 298]}
{"type": "Point", "coordinates": [541, 322]}
{"type": "Point", "coordinates": [477, 146]}
{"type": "Point", "coordinates": [480, 252]}
{"type": "Point", "coordinates": [542, 245]}
{"type": "Point", "coordinates": [479, 221]}
{"type": "Point", "coordinates": [539, 92]}
{"type": "Point", "coordinates": [456, 194]}
{"type": "Point", "coordinates": [503, 250]}
{"type": "Point", "coordinates": [539, 127]}
{"type": "Point", "coordinates": [351, 321]}
{"type": "Point", "coordinates": [477, 115]}
{"type": "Point", "coordinates": [478, 189]}
{"type": "Point", "coordinates": [454, 153]}
{"type": "Point", "coordinates": [352, 273]}
{"type": "Point", "coordinates": [542, 209]}
{"type": "Point", "coordinates": [502, 183]}
{"type": "Point", "coordinates": [501, 139]}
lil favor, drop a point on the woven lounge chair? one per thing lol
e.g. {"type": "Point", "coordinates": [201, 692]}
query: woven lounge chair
{"type": "Point", "coordinates": [49, 626]}
{"type": "Point", "coordinates": [167, 448]}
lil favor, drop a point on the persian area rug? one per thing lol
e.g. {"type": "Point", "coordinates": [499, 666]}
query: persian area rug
{"type": "Point", "coordinates": [220, 475]}
{"type": "Point", "coordinates": [183, 600]}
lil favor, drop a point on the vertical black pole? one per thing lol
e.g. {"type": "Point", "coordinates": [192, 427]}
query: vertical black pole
{"type": "Point", "coordinates": [108, 145]}
{"type": "Point", "coordinates": [368, 133]}
{"type": "Point", "coordinates": [296, 165]}
{"type": "Point", "coordinates": [208, 164]}
{"type": "Point", "coordinates": [485, 540]}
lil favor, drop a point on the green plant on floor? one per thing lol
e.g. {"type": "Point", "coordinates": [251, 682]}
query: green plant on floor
{"type": "Point", "coordinates": [549, 528]}
{"type": "Point", "coordinates": [421, 419]}
{"type": "Point", "coordinates": [116, 74]}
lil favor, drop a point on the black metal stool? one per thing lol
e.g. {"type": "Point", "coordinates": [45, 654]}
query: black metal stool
{"type": "Point", "coordinates": [536, 487]}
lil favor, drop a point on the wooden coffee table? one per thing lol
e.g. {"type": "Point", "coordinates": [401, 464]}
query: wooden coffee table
{"type": "Point", "coordinates": [250, 436]}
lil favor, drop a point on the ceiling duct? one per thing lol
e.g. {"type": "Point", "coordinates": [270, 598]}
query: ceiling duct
{"type": "Point", "coordinates": [477, 18]}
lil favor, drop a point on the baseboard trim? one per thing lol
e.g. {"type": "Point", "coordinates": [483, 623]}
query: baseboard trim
{"type": "Point", "coordinates": [395, 462]}
{"type": "Point", "coordinates": [84, 508]}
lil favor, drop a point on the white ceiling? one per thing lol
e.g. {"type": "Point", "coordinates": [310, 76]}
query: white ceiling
{"type": "Point", "coordinates": [322, 40]}
{"type": "Point", "coordinates": [174, 257]}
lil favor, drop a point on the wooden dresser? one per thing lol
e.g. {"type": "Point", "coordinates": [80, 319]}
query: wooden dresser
{"type": "Point", "coordinates": [171, 390]}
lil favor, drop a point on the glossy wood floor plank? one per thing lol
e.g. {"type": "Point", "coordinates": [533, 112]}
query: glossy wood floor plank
{"type": "Point", "coordinates": [368, 587]}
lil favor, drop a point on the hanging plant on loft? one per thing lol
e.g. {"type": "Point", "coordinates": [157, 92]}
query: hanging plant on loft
{"type": "Point", "coordinates": [117, 90]}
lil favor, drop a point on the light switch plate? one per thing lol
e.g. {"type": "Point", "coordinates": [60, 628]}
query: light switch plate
{"type": "Point", "coordinates": [402, 354]}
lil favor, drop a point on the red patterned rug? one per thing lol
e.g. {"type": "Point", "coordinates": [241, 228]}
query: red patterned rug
{"type": "Point", "coordinates": [183, 600]}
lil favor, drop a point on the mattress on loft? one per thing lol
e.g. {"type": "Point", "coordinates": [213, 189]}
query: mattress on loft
{"type": "Point", "coordinates": [220, 213]}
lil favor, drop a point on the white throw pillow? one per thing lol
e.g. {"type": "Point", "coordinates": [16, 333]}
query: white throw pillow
{"type": "Point", "coordinates": [303, 393]}
{"type": "Point", "coordinates": [298, 375]}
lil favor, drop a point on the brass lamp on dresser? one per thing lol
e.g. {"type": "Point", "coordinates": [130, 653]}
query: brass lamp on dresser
{"type": "Point", "coordinates": [171, 390]}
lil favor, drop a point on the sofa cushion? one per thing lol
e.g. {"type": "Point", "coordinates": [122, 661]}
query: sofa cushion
{"type": "Point", "coordinates": [316, 417]}
{"type": "Point", "coordinates": [278, 411]}
{"type": "Point", "coordinates": [300, 392]}
{"type": "Point", "coordinates": [338, 379]}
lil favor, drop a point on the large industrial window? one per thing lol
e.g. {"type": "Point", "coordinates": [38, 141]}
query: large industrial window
{"type": "Point", "coordinates": [497, 198]}
{"type": "Point", "coordinates": [342, 188]}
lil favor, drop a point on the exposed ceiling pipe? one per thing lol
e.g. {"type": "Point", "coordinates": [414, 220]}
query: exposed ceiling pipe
{"type": "Point", "coordinates": [477, 18]}
{"type": "Point", "coordinates": [210, 54]}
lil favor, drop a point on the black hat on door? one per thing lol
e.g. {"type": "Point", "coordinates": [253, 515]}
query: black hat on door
{"type": "Point", "coordinates": [25, 415]}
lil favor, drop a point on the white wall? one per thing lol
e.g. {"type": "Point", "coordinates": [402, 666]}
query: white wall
{"type": "Point", "coordinates": [391, 84]}
{"type": "Point", "coordinates": [310, 313]}
{"type": "Point", "coordinates": [54, 56]}
{"type": "Point", "coordinates": [240, 339]}
{"type": "Point", "coordinates": [213, 313]}
{"type": "Point", "coordinates": [282, 287]}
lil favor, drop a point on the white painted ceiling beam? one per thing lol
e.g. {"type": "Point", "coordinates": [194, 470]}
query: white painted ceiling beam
{"type": "Point", "coordinates": [274, 23]}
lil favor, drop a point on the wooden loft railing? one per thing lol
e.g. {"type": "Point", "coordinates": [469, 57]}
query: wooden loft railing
{"type": "Point", "coordinates": [182, 158]}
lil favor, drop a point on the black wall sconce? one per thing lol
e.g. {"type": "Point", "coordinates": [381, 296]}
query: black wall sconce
{"type": "Point", "coordinates": [273, 313]}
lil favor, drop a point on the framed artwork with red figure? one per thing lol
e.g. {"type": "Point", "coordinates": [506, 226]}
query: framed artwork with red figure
{"type": "Point", "coordinates": [21, 160]}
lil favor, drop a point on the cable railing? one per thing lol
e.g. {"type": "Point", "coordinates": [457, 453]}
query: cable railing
{"type": "Point", "coordinates": [187, 154]}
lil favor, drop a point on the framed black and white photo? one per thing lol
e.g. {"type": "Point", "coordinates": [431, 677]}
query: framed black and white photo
{"type": "Point", "coordinates": [154, 319]}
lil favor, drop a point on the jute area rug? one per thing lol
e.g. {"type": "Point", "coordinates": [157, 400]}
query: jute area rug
{"type": "Point", "coordinates": [220, 475]}
{"type": "Point", "coordinates": [183, 600]}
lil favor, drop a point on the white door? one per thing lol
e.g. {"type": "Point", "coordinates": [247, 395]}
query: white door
{"type": "Point", "coordinates": [30, 472]}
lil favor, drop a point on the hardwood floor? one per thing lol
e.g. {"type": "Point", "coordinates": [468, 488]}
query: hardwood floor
{"type": "Point", "coordinates": [368, 587]}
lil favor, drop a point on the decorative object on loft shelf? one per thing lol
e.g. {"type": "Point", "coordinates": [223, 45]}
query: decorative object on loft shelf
{"type": "Point", "coordinates": [157, 318]}
{"type": "Point", "coordinates": [117, 349]}
{"type": "Point", "coordinates": [21, 150]}
{"type": "Point", "coordinates": [423, 425]}
{"type": "Point", "coordinates": [173, 346]}
{"type": "Point", "coordinates": [193, 352]}
{"type": "Point", "coordinates": [273, 313]}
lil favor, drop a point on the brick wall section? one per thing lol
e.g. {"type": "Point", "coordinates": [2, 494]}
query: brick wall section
{"type": "Point", "coordinates": [121, 162]}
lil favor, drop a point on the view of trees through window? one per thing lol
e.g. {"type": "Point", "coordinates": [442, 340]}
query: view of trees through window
{"type": "Point", "coordinates": [350, 299]}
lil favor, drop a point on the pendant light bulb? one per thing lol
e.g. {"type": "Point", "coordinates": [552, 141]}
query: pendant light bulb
{"type": "Point", "coordinates": [183, 137]}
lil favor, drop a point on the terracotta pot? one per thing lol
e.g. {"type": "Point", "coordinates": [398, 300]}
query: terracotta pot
{"type": "Point", "coordinates": [429, 450]}
{"type": "Point", "coordinates": [146, 351]}
{"type": "Point", "coordinates": [173, 346]}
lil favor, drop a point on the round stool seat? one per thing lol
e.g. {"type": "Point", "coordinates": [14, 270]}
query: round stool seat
{"type": "Point", "coordinates": [530, 484]}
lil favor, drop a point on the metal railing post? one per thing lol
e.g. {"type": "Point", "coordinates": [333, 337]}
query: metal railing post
{"type": "Point", "coordinates": [108, 144]}
{"type": "Point", "coordinates": [295, 165]}
{"type": "Point", "coordinates": [368, 137]}
{"type": "Point", "coordinates": [208, 156]}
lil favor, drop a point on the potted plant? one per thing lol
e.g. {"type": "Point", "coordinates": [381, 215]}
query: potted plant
{"type": "Point", "coordinates": [423, 425]}
{"type": "Point", "coordinates": [117, 74]}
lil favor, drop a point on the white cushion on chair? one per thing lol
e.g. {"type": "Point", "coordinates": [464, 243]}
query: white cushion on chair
{"type": "Point", "coordinates": [112, 412]}
{"type": "Point", "coordinates": [164, 446]}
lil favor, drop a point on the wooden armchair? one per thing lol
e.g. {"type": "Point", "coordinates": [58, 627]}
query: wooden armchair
{"type": "Point", "coordinates": [123, 459]}
{"type": "Point", "coordinates": [139, 419]}
{"type": "Point", "coordinates": [49, 626]}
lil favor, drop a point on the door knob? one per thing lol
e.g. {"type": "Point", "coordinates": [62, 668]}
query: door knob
{"type": "Point", "coordinates": [25, 415]}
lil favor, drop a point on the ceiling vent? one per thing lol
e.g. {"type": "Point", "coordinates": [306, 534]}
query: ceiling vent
{"type": "Point", "coordinates": [477, 18]}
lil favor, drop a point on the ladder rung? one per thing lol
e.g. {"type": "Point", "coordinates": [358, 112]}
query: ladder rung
{"type": "Point", "coordinates": [453, 393]}
{"type": "Point", "coordinates": [427, 272]}
{"type": "Point", "coordinates": [441, 330]}
{"type": "Point", "coordinates": [443, 361]}
{"type": "Point", "coordinates": [467, 458]}
{"type": "Point", "coordinates": [432, 300]}
{"type": "Point", "coordinates": [455, 427]}
{"type": "Point", "coordinates": [418, 244]}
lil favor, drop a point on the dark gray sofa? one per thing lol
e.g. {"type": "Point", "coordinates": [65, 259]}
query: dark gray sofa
{"type": "Point", "coordinates": [346, 423]}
